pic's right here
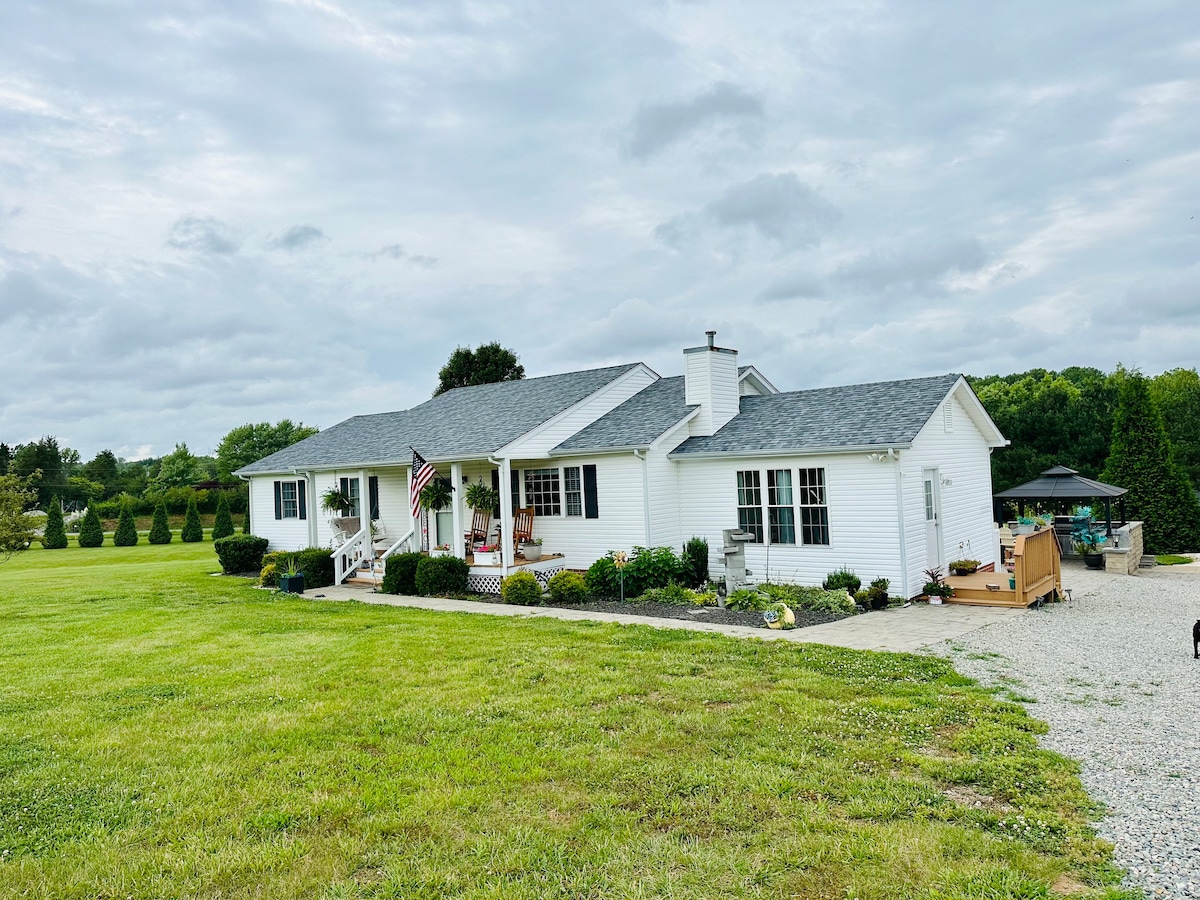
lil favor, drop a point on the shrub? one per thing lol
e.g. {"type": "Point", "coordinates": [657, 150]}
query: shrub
{"type": "Point", "coordinates": [54, 537]}
{"type": "Point", "coordinates": [160, 529]}
{"type": "Point", "coordinates": [521, 589]}
{"type": "Point", "coordinates": [695, 562]}
{"type": "Point", "coordinates": [652, 568]}
{"type": "Point", "coordinates": [400, 574]}
{"type": "Point", "coordinates": [126, 534]}
{"type": "Point", "coordinates": [677, 595]}
{"type": "Point", "coordinates": [240, 553]}
{"type": "Point", "coordinates": [269, 576]}
{"type": "Point", "coordinates": [246, 523]}
{"type": "Point", "coordinates": [441, 575]}
{"type": "Point", "coordinates": [223, 523]}
{"type": "Point", "coordinates": [91, 532]}
{"type": "Point", "coordinates": [813, 598]}
{"type": "Point", "coordinates": [602, 578]}
{"type": "Point", "coordinates": [877, 594]}
{"type": "Point", "coordinates": [567, 587]}
{"type": "Point", "coordinates": [317, 566]}
{"type": "Point", "coordinates": [748, 599]}
{"type": "Point", "coordinates": [842, 579]}
{"type": "Point", "coordinates": [192, 532]}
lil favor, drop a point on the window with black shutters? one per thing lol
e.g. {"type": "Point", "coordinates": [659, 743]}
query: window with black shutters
{"type": "Point", "coordinates": [290, 500]}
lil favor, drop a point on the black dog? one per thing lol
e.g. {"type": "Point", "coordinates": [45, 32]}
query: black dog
{"type": "Point", "coordinates": [1196, 640]}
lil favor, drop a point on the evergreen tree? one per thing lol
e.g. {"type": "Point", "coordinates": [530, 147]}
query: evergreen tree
{"type": "Point", "coordinates": [1141, 460]}
{"type": "Point", "coordinates": [192, 531]}
{"type": "Point", "coordinates": [55, 535]}
{"type": "Point", "coordinates": [246, 522]}
{"type": "Point", "coordinates": [126, 534]}
{"type": "Point", "coordinates": [160, 528]}
{"type": "Point", "coordinates": [223, 524]}
{"type": "Point", "coordinates": [91, 532]}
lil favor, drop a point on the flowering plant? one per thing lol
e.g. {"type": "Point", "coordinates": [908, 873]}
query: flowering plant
{"type": "Point", "coordinates": [488, 548]}
{"type": "Point", "coordinates": [442, 547]}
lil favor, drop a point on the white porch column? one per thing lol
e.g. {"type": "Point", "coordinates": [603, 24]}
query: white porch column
{"type": "Point", "coordinates": [506, 514]}
{"type": "Point", "coordinates": [311, 500]}
{"type": "Point", "coordinates": [457, 511]}
{"type": "Point", "coordinates": [414, 522]}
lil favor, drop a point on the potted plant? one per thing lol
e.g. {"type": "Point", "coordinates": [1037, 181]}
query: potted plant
{"type": "Point", "coordinates": [532, 549]}
{"type": "Point", "coordinates": [1087, 543]}
{"type": "Point", "coordinates": [336, 500]}
{"type": "Point", "coordinates": [779, 616]}
{"type": "Point", "coordinates": [440, 550]}
{"type": "Point", "coordinates": [481, 496]}
{"type": "Point", "coordinates": [487, 555]}
{"type": "Point", "coordinates": [436, 495]}
{"type": "Point", "coordinates": [291, 579]}
{"type": "Point", "coordinates": [964, 566]}
{"type": "Point", "coordinates": [936, 588]}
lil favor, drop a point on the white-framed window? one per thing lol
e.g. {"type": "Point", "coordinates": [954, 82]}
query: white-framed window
{"type": "Point", "coordinates": [542, 492]}
{"type": "Point", "coordinates": [781, 514]}
{"type": "Point", "coordinates": [749, 491]}
{"type": "Point", "coordinates": [290, 500]}
{"type": "Point", "coordinates": [573, 490]}
{"type": "Point", "coordinates": [814, 510]}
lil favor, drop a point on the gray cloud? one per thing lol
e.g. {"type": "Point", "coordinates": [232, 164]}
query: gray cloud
{"type": "Point", "coordinates": [203, 234]}
{"type": "Point", "coordinates": [792, 287]}
{"type": "Point", "coordinates": [391, 251]}
{"type": "Point", "coordinates": [913, 269]}
{"type": "Point", "coordinates": [658, 125]}
{"type": "Point", "coordinates": [297, 238]}
{"type": "Point", "coordinates": [423, 262]}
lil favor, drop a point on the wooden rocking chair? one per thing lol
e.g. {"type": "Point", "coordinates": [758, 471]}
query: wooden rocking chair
{"type": "Point", "coordinates": [481, 523]}
{"type": "Point", "coordinates": [522, 527]}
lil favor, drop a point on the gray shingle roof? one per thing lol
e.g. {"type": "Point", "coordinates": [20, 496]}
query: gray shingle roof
{"type": "Point", "coordinates": [636, 422]}
{"type": "Point", "coordinates": [464, 422]}
{"type": "Point", "coordinates": [885, 413]}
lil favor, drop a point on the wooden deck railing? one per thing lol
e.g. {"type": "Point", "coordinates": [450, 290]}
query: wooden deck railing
{"type": "Point", "coordinates": [1038, 565]}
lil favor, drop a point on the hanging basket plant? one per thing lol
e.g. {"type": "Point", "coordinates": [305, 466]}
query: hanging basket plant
{"type": "Point", "coordinates": [436, 495]}
{"type": "Point", "coordinates": [336, 500]}
{"type": "Point", "coordinates": [481, 496]}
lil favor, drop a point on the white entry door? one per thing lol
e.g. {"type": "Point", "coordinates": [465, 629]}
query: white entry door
{"type": "Point", "coordinates": [933, 519]}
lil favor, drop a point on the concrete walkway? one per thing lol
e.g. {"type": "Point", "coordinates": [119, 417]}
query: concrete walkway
{"type": "Point", "coordinates": [901, 630]}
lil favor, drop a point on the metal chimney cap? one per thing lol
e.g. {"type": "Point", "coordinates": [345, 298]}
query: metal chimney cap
{"type": "Point", "coordinates": [711, 336]}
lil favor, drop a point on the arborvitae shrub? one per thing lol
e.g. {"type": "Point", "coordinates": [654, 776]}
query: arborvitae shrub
{"type": "Point", "coordinates": [522, 589]}
{"type": "Point", "coordinates": [223, 524]}
{"type": "Point", "coordinates": [192, 530]}
{"type": "Point", "coordinates": [695, 562]}
{"type": "Point", "coordinates": [91, 531]}
{"type": "Point", "coordinates": [400, 574]}
{"type": "Point", "coordinates": [441, 575]}
{"type": "Point", "coordinates": [55, 535]}
{"type": "Point", "coordinates": [126, 534]}
{"type": "Point", "coordinates": [160, 528]}
{"type": "Point", "coordinates": [567, 587]}
{"type": "Point", "coordinates": [246, 523]}
{"type": "Point", "coordinates": [240, 553]}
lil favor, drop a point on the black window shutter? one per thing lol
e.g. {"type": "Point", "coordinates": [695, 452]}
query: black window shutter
{"type": "Point", "coordinates": [373, 490]}
{"type": "Point", "coordinates": [278, 501]}
{"type": "Point", "coordinates": [496, 488]}
{"type": "Point", "coordinates": [516, 488]}
{"type": "Point", "coordinates": [301, 499]}
{"type": "Point", "coordinates": [344, 484]}
{"type": "Point", "coordinates": [591, 502]}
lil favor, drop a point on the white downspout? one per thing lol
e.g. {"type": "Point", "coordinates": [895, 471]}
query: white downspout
{"type": "Point", "coordinates": [900, 521]}
{"type": "Point", "coordinates": [645, 496]}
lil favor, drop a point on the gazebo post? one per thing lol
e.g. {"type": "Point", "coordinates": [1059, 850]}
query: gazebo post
{"type": "Point", "coordinates": [1108, 515]}
{"type": "Point", "coordinates": [1121, 507]}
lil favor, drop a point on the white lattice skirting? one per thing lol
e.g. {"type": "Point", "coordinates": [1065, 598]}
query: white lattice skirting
{"type": "Point", "coordinates": [490, 584]}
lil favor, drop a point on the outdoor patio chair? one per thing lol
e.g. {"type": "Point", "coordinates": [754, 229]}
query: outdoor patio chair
{"type": "Point", "coordinates": [344, 528]}
{"type": "Point", "coordinates": [481, 523]}
{"type": "Point", "coordinates": [522, 527]}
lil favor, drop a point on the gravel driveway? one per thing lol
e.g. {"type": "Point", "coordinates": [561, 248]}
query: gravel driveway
{"type": "Point", "coordinates": [1114, 677]}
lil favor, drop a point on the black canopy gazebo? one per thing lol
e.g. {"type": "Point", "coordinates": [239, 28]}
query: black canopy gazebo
{"type": "Point", "coordinates": [1063, 487]}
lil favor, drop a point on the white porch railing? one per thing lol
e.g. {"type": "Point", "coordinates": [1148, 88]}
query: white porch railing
{"type": "Point", "coordinates": [348, 557]}
{"type": "Point", "coordinates": [396, 547]}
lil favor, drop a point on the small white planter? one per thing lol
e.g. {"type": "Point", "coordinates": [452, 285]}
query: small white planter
{"type": "Point", "coordinates": [487, 559]}
{"type": "Point", "coordinates": [531, 551]}
{"type": "Point", "coordinates": [436, 552]}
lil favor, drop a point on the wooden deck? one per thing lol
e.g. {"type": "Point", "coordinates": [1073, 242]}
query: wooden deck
{"type": "Point", "coordinates": [1038, 572]}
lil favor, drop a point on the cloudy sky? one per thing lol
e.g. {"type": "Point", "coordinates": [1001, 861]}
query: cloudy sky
{"type": "Point", "coordinates": [214, 212]}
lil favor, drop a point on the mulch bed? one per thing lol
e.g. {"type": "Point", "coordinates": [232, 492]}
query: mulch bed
{"type": "Point", "coordinates": [714, 614]}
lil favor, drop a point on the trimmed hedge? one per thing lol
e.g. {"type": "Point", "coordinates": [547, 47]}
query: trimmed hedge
{"type": "Point", "coordinates": [240, 553]}
{"type": "Point", "coordinates": [54, 537]}
{"type": "Point", "coordinates": [521, 589]}
{"type": "Point", "coordinates": [441, 575]}
{"type": "Point", "coordinates": [568, 587]}
{"type": "Point", "coordinates": [160, 528]}
{"type": "Point", "coordinates": [695, 563]}
{"type": "Point", "coordinates": [192, 531]}
{"type": "Point", "coordinates": [400, 574]}
{"type": "Point", "coordinates": [91, 532]}
{"type": "Point", "coordinates": [223, 523]}
{"type": "Point", "coordinates": [126, 534]}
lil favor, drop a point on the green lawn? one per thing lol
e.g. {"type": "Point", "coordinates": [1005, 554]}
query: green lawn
{"type": "Point", "coordinates": [165, 733]}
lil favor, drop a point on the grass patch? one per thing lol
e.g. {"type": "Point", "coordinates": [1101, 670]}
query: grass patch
{"type": "Point", "coordinates": [1171, 559]}
{"type": "Point", "coordinates": [168, 733]}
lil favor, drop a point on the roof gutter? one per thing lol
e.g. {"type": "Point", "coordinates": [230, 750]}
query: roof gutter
{"type": "Point", "coordinates": [889, 449]}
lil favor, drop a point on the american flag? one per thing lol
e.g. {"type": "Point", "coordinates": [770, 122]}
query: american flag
{"type": "Point", "coordinates": [422, 474]}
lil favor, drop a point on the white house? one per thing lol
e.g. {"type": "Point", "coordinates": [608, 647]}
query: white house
{"type": "Point", "coordinates": [888, 478]}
